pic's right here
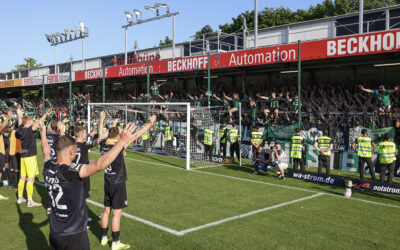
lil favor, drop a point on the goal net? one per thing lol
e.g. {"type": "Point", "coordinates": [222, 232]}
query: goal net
{"type": "Point", "coordinates": [190, 135]}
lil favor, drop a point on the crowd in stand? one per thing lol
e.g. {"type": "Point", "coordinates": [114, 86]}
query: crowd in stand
{"type": "Point", "coordinates": [321, 106]}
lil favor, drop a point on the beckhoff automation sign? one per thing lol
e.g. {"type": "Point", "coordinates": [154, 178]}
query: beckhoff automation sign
{"type": "Point", "coordinates": [373, 43]}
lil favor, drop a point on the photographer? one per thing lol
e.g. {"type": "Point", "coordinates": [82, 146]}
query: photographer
{"type": "Point", "coordinates": [261, 159]}
{"type": "Point", "coordinates": [279, 161]}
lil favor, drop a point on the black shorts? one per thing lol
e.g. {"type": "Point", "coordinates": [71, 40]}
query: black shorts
{"type": "Point", "coordinates": [86, 186]}
{"type": "Point", "coordinates": [115, 195]}
{"type": "Point", "coordinates": [70, 242]}
{"type": "Point", "coordinates": [2, 160]}
{"type": "Point", "coordinates": [14, 163]}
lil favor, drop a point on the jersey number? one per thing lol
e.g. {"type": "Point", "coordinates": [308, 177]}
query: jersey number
{"type": "Point", "coordinates": [56, 200]}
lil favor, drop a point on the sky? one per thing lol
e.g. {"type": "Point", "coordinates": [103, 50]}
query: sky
{"type": "Point", "coordinates": [24, 23]}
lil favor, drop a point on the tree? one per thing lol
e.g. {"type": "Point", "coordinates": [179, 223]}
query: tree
{"type": "Point", "coordinates": [166, 41]}
{"type": "Point", "coordinates": [207, 31]}
{"type": "Point", "coordinates": [270, 17]}
{"type": "Point", "coordinates": [30, 63]}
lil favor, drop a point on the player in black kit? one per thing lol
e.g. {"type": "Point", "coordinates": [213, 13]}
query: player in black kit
{"type": "Point", "coordinates": [84, 144]}
{"type": "Point", "coordinates": [57, 129]}
{"type": "Point", "coordinates": [68, 217]}
{"type": "Point", "coordinates": [115, 197]}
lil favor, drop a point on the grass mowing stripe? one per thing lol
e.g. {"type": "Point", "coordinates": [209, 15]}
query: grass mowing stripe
{"type": "Point", "coordinates": [149, 223]}
{"type": "Point", "coordinates": [247, 214]}
{"type": "Point", "coordinates": [265, 183]}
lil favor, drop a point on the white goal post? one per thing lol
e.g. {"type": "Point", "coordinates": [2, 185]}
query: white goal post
{"type": "Point", "coordinates": [146, 109]}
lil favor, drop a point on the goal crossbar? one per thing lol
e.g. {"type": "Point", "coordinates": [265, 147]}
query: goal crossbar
{"type": "Point", "coordinates": [126, 104]}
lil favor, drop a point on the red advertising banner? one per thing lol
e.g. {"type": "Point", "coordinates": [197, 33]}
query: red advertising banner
{"type": "Point", "coordinates": [372, 43]}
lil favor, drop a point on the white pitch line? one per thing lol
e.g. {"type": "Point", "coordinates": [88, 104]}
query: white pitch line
{"type": "Point", "coordinates": [215, 223]}
{"type": "Point", "coordinates": [149, 223]}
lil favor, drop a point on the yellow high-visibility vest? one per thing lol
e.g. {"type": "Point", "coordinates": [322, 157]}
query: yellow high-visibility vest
{"type": "Point", "coordinates": [324, 142]}
{"type": "Point", "coordinates": [364, 147]}
{"type": "Point", "coordinates": [297, 147]}
{"type": "Point", "coordinates": [387, 152]}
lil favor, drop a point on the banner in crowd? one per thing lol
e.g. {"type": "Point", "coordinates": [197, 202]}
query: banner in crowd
{"type": "Point", "coordinates": [11, 83]}
{"type": "Point", "coordinates": [377, 135]}
{"type": "Point", "coordinates": [371, 43]}
{"type": "Point", "coordinates": [49, 79]}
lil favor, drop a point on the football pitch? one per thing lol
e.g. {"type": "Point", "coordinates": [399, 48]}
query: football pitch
{"type": "Point", "coordinates": [223, 207]}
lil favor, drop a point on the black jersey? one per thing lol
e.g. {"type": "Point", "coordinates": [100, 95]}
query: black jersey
{"type": "Point", "coordinates": [51, 140]}
{"type": "Point", "coordinates": [68, 205]}
{"type": "Point", "coordinates": [28, 141]}
{"type": "Point", "coordinates": [82, 152]}
{"type": "Point", "coordinates": [116, 172]}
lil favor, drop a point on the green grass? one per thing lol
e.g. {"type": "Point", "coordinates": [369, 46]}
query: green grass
{"type": "Point", "coordinates": [180, 199]}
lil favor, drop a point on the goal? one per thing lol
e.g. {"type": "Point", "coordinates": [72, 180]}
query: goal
{"type": "Point", "coordinates": [179, 132]}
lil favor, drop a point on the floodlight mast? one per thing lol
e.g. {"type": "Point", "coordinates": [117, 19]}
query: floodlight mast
{"type": "Point", "coordinates": [57, 38]}
{"type": "Point", "coordinates": [140, 20]}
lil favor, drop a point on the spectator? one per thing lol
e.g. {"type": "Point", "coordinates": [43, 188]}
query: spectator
{"type": "Point", "coordinates": [280, 161]}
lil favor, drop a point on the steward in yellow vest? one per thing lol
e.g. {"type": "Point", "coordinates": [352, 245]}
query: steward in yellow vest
{"type": "Point", "coordinates": [208, 141]}
{"type": "Point", "coordinates": [324, 147]}
{"type": "Point", "coordinates": [365, 149]}
{"type": "Point", "coordinates": [222, 135]}
{"type": "Point", "coordinates": [169, 135]}
{"type": "Point", "coordinates": [256, 139]}
{"type": "Point", "coordinates": [296, 152]}
{"type": "Point", "coordinates": [387, 151]}
{"type": "Point", "coordinates": [233, 136]}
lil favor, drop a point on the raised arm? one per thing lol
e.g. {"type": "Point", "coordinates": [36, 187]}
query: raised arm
{"type": "Point", "coordinates": [227, 97]}
{"type": "Point", "coordinates": [37, 123]}
{"type": "Point", "coordinates": [216, 97]}
{"type": "Point", "coordinates": [101, 125]}
{"type": "Point", "coordinates": [60, 127]}
{"type": "Point", "coordinates": [364, 89]}
{"type": "Point", "coordinates": [146, 127]}
{"type": "Point", "coordinates": [191, 97]}
{"type": "Point", "coordinates": [20, 113]}
{"type": "Point", "coordinates": [262, 97]}
{"type": "Point", "coordinates": [105, 160]}
{"type": "Point", "coordinates": [45, 145]}
{"type": "Point", "coordinates": [115, 122]}
{"type": "Point", "coordinates": [396, 88]}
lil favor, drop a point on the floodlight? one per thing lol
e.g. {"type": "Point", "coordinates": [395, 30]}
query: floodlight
{"type": "Point", "coordinates": [162, 5]}
{"type": "Point", "coordinates": [152, 8]}
{"type": "Point", "coordinates": [138, 13]}
{"type": "Point", "coordinates": [49, 38]}
{"type": "Point", "coordinates": [129, 17]}
{"type": "Point", "coordinates": [58, 34]}
{"type": "Point", "coordinates": [74, 30]}
{"type": "Point", "coordinates": [68, 32]}
{"type": "Point", "coordinates": [82, 25]}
